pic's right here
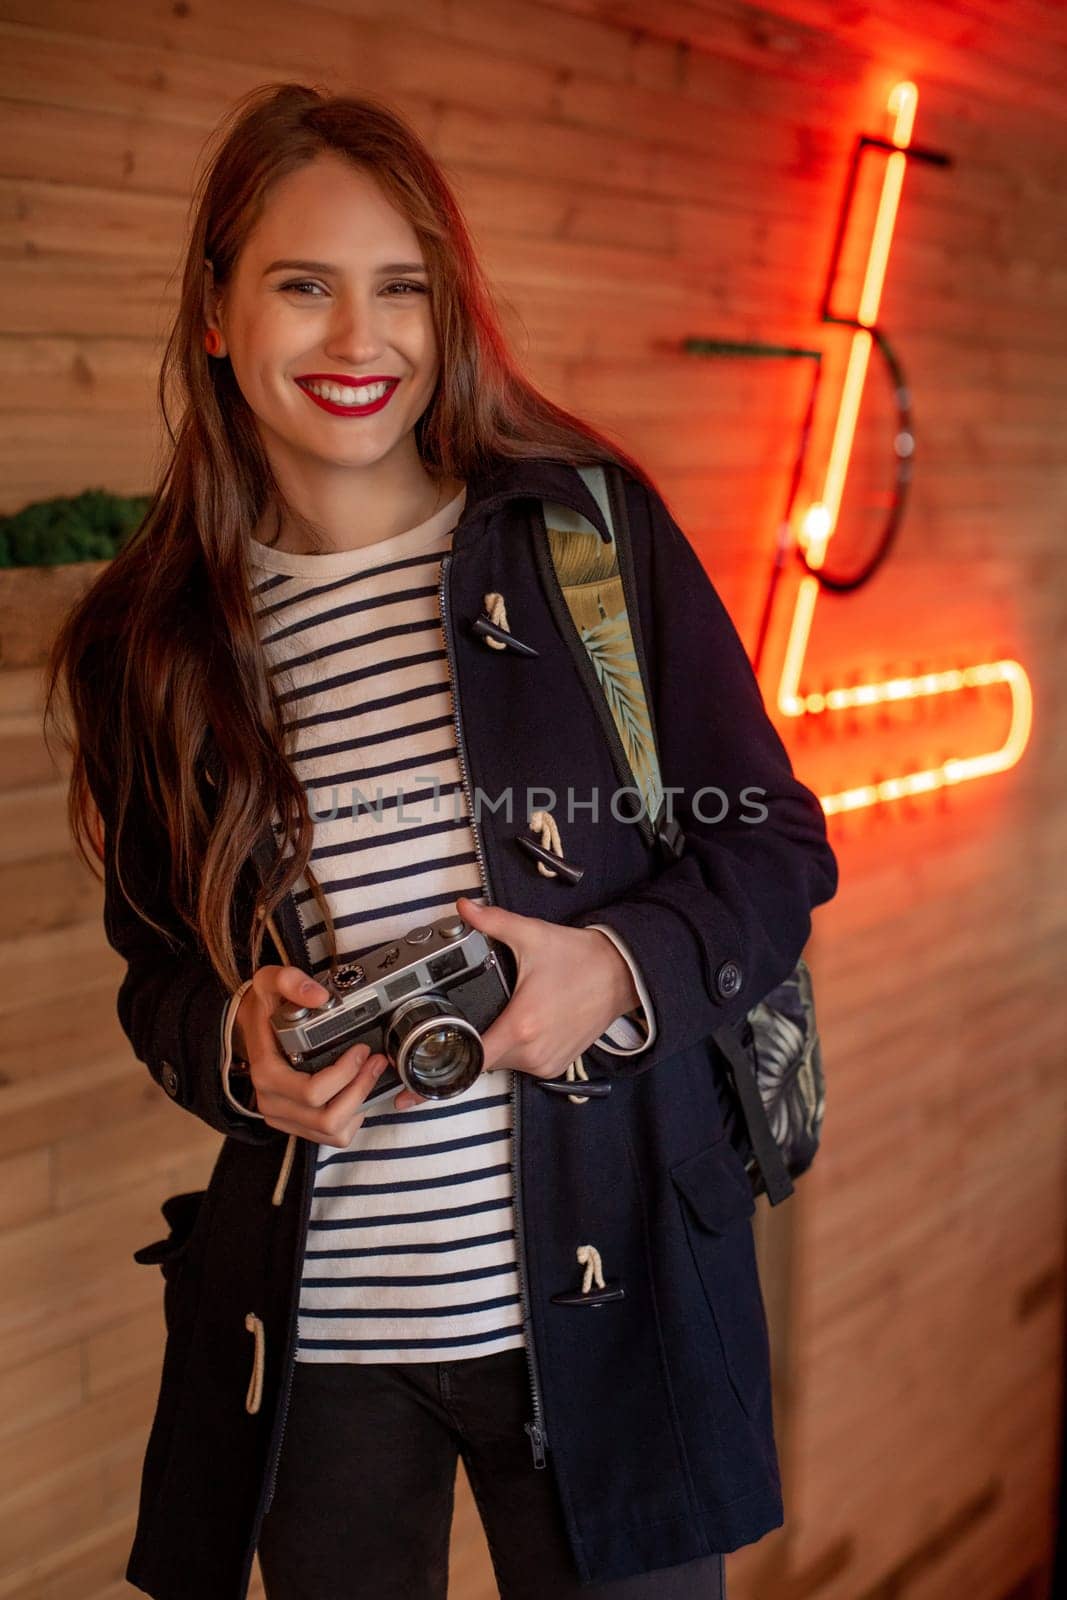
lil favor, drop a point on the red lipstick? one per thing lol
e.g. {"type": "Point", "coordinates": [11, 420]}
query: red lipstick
{"type": "Point", "coordinates": [351, 383]}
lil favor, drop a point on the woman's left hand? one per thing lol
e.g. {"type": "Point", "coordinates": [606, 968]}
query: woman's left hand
{"type": "Point", "coordinates": [571, 984]}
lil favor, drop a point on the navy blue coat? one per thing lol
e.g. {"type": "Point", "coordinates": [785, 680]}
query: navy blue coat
{"type": "Point", "coordinates": [653, 1409]}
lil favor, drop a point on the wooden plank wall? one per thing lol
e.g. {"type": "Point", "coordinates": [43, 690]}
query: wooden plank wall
{"type": "Point", "coordinates": [635, 173]}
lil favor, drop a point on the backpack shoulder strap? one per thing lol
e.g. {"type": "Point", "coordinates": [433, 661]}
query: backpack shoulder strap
{"type": "Point", "coordinates": [593, 593]}
{"type": "Point", "coordinates": [592, 589]}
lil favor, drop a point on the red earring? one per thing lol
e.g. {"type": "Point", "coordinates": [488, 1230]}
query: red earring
{"type": "Point", "coordinates": [212, 341]}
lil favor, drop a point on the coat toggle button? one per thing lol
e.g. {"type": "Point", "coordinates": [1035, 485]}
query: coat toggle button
{"type": "Point", "coordinates": [596, 1089]}
{"type": "Point", "coordinates": [594, 1291]}
{"type": "Point", "coordinates": [566, 871]}
{"type": "Point", "coordinates": [489, 630]}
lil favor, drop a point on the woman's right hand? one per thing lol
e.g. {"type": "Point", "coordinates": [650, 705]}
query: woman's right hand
{"type": "Point", "coordinates": [324, 1105]}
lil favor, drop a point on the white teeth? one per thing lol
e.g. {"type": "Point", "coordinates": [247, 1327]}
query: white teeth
{"type": "Point", "coordinates": [344, 396]}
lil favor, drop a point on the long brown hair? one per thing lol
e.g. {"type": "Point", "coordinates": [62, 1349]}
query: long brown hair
{"type": "Point", "coordinates": [164, 648]}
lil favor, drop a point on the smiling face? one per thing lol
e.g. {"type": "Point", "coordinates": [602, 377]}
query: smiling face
{"type": "Point", "coordinates": [358, 308]}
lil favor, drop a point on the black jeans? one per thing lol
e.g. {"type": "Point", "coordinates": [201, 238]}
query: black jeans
{"type": "Point", "coordinates": [362, 1509]}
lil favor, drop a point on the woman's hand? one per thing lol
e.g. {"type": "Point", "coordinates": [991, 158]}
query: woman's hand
{"type": "Point", "coordinates": [571, 984]}
{"type": "Point", "coordinates": [324, 1105]}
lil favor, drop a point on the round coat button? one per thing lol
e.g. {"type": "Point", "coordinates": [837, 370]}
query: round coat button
{"type": "Point", "coordinates": [169, 1079]}
{"type": "Point", "coordinates": [728, 979]}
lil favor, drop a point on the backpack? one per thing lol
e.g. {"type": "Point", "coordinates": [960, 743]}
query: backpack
{"type": "Point", "coordinates": [774, 1063]}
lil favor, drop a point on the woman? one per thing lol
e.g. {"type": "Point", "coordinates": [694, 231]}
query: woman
{"type": "Point", "coordinates": [559, 1287]}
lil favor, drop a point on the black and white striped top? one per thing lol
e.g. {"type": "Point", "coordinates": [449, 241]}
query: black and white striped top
{"type": "Point", "coordinates": [411, 1251]}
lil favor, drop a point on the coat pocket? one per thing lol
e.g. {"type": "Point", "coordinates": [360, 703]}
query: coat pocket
{"type": "Point", "coordinates": [718, 1202]}
{"type": "Point", "coordinates": [180, 1212]}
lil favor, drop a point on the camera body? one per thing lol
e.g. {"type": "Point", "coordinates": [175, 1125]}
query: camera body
{"type": "Point", "coordinates": [422, 1000]}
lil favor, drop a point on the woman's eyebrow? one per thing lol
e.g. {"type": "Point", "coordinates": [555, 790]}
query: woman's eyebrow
{"type": "Point", "coordinates": [325, 267]}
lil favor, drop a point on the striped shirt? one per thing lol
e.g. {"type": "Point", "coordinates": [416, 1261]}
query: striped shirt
{"type": "Point", "coordinates": [411, 1247]}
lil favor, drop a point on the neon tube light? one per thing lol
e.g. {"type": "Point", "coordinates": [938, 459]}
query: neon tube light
{"type": "Point", "coordinates": [819, 523]}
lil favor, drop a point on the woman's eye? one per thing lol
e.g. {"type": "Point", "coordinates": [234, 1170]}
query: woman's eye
{"type": "Point", "coordinates": [401, 283]}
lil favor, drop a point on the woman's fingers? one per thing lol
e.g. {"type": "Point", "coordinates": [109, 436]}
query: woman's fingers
{"type": "Point", "coordinates": [328, 1119]}
{"type": "Point", "coordinates": [271, 986]}
{"type": "Point", "coordinates": [317, 1105]}
{"type": "Point", "coordinates": [275, 984]}
{"type": "Point", "coordinates": [315, 1089]}
{"type": "Point", "coordinates": [272, 1071]}
{"type": "Point", "coordinates": [312, 1091]}
{"type": "Point", "coordinates": [407, 1098]}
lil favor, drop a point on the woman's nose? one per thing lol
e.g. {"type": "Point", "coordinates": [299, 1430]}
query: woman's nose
{"type": "Point", "coordinates": [353, 334]}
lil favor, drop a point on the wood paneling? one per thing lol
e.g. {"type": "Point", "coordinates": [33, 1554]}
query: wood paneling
{"type": "Point", "coordinates": [634, 174]}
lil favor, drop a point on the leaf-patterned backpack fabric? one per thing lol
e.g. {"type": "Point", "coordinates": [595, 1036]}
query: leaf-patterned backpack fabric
{"type": "Point", "coordinates": [774, 1064]}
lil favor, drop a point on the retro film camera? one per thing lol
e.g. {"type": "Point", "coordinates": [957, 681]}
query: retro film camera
{"type": "Point", "coordinates": [421, 1000]}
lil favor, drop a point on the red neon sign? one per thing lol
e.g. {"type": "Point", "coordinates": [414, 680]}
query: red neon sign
{"type": "Point", "coordinates": [818, 523]}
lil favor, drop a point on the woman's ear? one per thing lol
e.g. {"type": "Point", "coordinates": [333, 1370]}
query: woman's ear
{"type": "Point", "coordinates": [211, 307]}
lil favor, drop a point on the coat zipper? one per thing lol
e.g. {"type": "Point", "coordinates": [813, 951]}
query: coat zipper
{"type": "Point", "coordinates": [536, 1426]}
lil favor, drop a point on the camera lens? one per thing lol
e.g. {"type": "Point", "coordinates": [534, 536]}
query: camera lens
{"type": "Point", "coordinates": [443, 1055]}
{"type": "Point", "coordinates": [437, 1052]}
